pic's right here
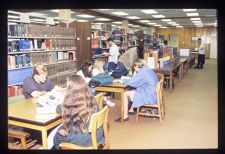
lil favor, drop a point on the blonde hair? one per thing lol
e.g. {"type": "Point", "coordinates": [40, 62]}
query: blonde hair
{"type": "Point", "coordinates": [40, 69]}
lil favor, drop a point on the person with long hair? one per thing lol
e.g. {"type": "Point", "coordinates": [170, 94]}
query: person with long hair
{"type": "Point", "coordinates": [86, 70]}
{"type": "Point", "coordinates": [78, 107]}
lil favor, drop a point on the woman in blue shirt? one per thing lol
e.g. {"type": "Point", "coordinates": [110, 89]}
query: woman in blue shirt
{"type": "Point", "coordinates": [144, 82]}
{"type": "Point", "coordinates": [78, 107]}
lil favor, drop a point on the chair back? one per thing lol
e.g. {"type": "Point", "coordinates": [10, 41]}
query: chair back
{"type": "Point", "coordinates": [15, 99]}
{"type": "Point", "coordinates": [99, 100]}
{"type": "Point", "coordinates": [159, 88]}
{"type": "Point", "coordinates": [98, 120]}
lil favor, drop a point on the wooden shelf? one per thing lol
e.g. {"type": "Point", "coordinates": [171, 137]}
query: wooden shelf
{"type": "Point", "coordinates": [37, 37]}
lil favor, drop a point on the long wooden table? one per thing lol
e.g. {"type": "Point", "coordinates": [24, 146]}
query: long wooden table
{"type": "Point", "coordinates": [168, 70]}
{"type": "Point", "coordinates": [23, 114]}
{"type": "Point", "coordinates": [115, 87]}
{"type": "Point", "coordinates": [184, 66]}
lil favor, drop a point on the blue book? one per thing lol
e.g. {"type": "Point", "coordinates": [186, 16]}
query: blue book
{"type": "Point", "coordinates": [19, 60]}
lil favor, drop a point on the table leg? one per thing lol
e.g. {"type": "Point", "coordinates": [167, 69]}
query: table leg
{"type": "Point", "coordinates": [44, 138]}
{"type": "Point", "coordinates": [171, 81]}
{"type": "Point", "coordinates": [122, 105]}
{"type": "Point", "coordinates": [180, 72]}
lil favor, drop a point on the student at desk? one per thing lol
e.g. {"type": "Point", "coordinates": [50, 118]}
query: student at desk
{"type": "Point", "coordinates": [144, 82]}
{"type": "Point", "coordinates": [38, 84]}
{"type": "Point", "coordinates": [77, 109]}
{"type": "Point", "coordinates": [86, 71]}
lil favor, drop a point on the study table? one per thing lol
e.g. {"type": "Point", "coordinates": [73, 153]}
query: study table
{"type": "Point", "coordinates": [115, 87]}
{"type": "Point", "coordinates": [23, 114]}
{"type": "Point", "coordinates": [184, 65]}
{"type": "Point", "coordinates": [168, 70]}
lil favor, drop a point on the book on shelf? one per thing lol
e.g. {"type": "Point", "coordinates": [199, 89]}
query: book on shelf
{"type": "Point", "coordinates": [13, 30]}
{"type": "Point", "coordinates": [72, 55]}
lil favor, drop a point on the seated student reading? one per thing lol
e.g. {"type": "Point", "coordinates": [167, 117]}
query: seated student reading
{"type": "Point", "coordinates": [38, 84]}
{"type": "Point", "coordinates": [86, 71]}
{"type": "Point", "coordinates": [144, 82]}
{"type": "Point", "coordinates": [78, 107]}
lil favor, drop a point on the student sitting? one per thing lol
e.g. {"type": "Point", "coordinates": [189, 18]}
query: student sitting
{"type": "Point", "coordinates": [86, 71]}
{"type": "Point", "coordinates": [78, 107]}
{"type": "Point", "coordinates": [144, 82]}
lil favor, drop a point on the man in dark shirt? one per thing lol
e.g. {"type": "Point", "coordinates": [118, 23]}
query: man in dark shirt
{"type": "Point", "coordinates": [38, 84]}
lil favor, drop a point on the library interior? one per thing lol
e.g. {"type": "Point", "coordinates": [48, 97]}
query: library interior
{"type": "Point", "coordinates": [143, 73]}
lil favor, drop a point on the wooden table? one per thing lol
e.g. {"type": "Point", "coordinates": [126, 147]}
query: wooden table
{"type": "Point", "coordinates": [23, 114]}
{"type": "Point", "coordinates": [115, 87]}
{"type": "Point", "coordinates": [168, 70]}
{"type": "Point", "coordinates": [184, 65]}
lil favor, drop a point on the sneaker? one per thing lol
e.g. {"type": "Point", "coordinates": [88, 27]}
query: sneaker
{"type": "Point", "coordinates": [109, 103]}
{"type": "Point", "coordinates": [119, 119]}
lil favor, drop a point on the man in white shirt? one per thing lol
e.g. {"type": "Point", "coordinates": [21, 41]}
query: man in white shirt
{"type": "Point", "coordinates": [112, 55]}
{"type": "Point", "coordinates": [201, 54]}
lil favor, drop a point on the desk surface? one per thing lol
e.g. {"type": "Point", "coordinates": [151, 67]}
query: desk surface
{"type": "Point", "coordinates": [25, 111]}
{"type": "Point", "coordinates": [115, 85]}
{"type": "Point", "coordinates": [169, 67]}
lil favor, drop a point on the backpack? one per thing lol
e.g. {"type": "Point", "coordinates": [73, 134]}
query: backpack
{"type": "Point", "coordinates": [100, 79]}
{"type": "Point", "coordinates": [119, 71]}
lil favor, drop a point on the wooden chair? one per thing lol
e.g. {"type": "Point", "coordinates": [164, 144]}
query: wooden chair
{"type": "Point", "coordinates": [98, 120]}
{"type": "Point", "coordinates": [99, 100]}
{"type": "Point", "coordinates": [160, 103]}
{"type": "Point", "coordinates": [13, 133]}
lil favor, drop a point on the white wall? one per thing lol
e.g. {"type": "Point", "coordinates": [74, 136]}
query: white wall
{"type": "Point", "coordinates": [213, 47]}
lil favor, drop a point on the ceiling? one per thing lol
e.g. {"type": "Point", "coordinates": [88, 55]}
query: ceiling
{"type": "Point", "coordinates": [206, 17]}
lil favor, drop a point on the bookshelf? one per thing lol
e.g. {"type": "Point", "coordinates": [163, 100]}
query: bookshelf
{"type": "Point", "coordinates": [30, 45]}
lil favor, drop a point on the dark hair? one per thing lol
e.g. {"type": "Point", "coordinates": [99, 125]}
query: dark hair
{"type": "Point", "coordinates": [84, 68]}
{"type": "Point", "coordinates": [109, 39]}
{"type": "Point", "coordinates": [165, 42]}
{"type": "Point", "coordinates": [199, 39]}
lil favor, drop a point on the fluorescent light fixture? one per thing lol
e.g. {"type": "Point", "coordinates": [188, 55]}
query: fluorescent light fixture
{"type": "Point", "coordinates": [14, 17]}
{"type": "Point", "coordinates": [158, 16]}
{"type": "Point", "coordinates": [157, 25]}
{"type": "Point", "coordinates": [56, 11]}
{"type": "Point", "coordinates": [102, 19]}
{"type": "Point", "coordinates": [192, 14]}
{"type": "Point", "coordinates": [99, 23]}
{"type": "Point", "coordinates": [130, 24]}
{"type": "Point", "coordinates": [195, 19]}
{"type": "Point", "coordinates": [198, 21]}
{"type": "Point", "coordinates": [104, 9]}
{"type": "Point", "coordinates": [171, 22]}
{"type": "Point", "coordinates": [163, 27]}
{"type": "Point", "coordinates": [144, 21]}
{"type": "Point", "coordinates": [199, 26]}
{"type": "Point", "coordinates": [175, 24]}
{"type": "Point", "coordinates": [85, 16]}
{"type": "Point", "coordinates": [35, 14]}
{"type": "Point", "coordinates": [151, 23]}
{"type": "Point", "coordinates": [117, 22]}
{"type": "Point", "coordinates": [179, 26]}
{"type": "Point", "coordinates": [12, 20]}
{"type": "Point", "coordinates": [166, 19]}
{"type": "Point", "coordinates": [149, 11]}
{"type": "Point", "coordinates": [133, 17]}
{"type": "Point", "coordinates": [189, 10]}
{"type": "Point", "coordinates": [37, 20]}
{"type": "Point", "coordinates": [120, 13]}
{"type": "Point", "coordinates": [135, 26]}
{"type": "Point", "coordinates": [82, 20]}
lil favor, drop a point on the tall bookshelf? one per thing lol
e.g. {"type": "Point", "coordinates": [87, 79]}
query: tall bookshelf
{"type": "Point", "coordinates": [31, 44]}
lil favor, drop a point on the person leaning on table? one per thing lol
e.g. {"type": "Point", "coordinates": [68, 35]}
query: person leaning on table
{"type": "Point", "coordinates": [37, 84]}
{"type": "Point", "coordinates": [144, 82]}
{"type": "Point", "coordinates": [78, 107]}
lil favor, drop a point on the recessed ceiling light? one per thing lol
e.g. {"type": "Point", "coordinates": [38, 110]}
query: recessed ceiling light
{"type": "Point", "coordinates": [157, 25]}
{"type": "Point", "coordinates": [82, 20]}
{"type": "Point", "coordinates": [195, 18]}
{"type": "Point", "coordinates": [145, 21]}
{"type": "Point", "coordinates": [171, 22]}
{"type": "Point", "coordinates": [198, 21]}
{"type": "Point", "coordinates": [166, 19]}
{"type": "Point", "coordinates": [14, 17]}
{"type": "Point", "coordinates": [120, 13]}
{"type": "Point", "coordinates": [133, 17]}
{"type": "Point", "coordinates": [103, 19]}
{"type": "Point", "coordinates": [37, 19]}
{"type": "Point", "coordinates": [149, 11]}
{"type": "Point", "coordinates": [158, 16]}
{"type": "Point", "coordinates": [189, 10]}
{"type": "Point", "coordinates": [85, 16]}
{"type": "Point", "coordinates": [117, 22]}
{"type": "Point", "coordinates": [192, 14]}
{"type": "Point", "coordinates": [151, 23]}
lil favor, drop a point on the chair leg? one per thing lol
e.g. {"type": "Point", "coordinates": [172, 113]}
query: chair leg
{"type": "Point", "coordinates": [160, 115]}
{"type": "Point", "coordinates": [137, 114]}
{"type": "Point", "coordinates": [23, 143]}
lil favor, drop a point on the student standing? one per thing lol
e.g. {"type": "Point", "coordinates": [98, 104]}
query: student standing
{"type": "Point", "coordinates": [112, 55]}
{"type": "Point", "coordinates": [201, 54]}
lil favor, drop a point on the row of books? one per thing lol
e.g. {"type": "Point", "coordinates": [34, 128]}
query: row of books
{"type": "Point", "coordinates": [95, 43]}
{"type": "Point", "coordinates": [15, 90]}
{"type": "Point", "coordinates": [17, 76]}
{"type": "Point", "coordinates": [24, 60]}
{"type": "Point", "coordinates": [38, 44]}
{"type": "Point", "coordinates": [32, 30]}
